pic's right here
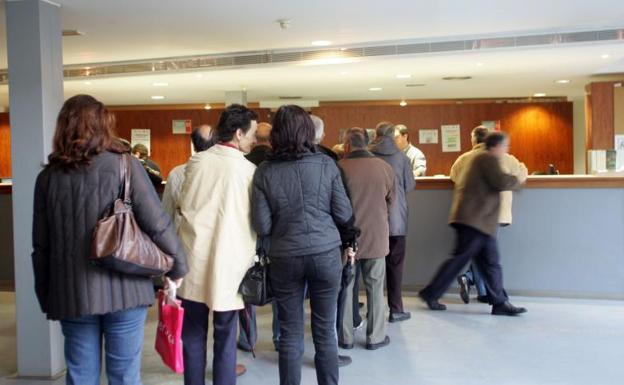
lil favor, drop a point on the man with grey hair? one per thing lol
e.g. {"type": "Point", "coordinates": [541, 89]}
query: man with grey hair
{"type": "Point", "coordinates": [416, 157]}
{"type": "Point", "coordinates": [370, 184]}
{"type": "Point", "coordinates": [319, 134]}
{"type": "Point", "coordinates": [385, 148]}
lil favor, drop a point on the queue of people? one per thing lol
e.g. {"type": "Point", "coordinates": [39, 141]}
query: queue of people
{"type": "Point", "coordinates": [252, 188]}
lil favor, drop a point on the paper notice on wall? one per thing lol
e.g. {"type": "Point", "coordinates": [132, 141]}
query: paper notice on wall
{"type": "Point", "coordinates": [182, 126]}
{"type": "Point", "coordinates": [141, 136]}
{"type": "Point", "coordinates": [428, 136]}
{"type": "Point", "coordinates": [451, 138]}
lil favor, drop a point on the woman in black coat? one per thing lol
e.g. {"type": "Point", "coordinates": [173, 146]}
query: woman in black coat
{"type": "Point", "coordinates": [74, 191]}
{"type": "Point", "coordinates": [298, 201]}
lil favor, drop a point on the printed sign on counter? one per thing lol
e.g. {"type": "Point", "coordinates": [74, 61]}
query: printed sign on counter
{"type": "Point", "coordinates": [141, 136]}
{"type": "Point", "coordinates": [428, 136]}
{"type": "Point", "coordinates": [182, 126]}
{"type": "Point", "coordinates": [451, 138]}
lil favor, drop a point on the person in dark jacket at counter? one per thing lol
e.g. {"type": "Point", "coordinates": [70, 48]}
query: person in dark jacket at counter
{"type": "Point", "coordinates": [385, 148]}
{"type": "Point", "coordinates": [141, 152]}
{"type": "Point", "coordinates": [98, 308]}
{"type": "Point", "coordinates": [298, 200]}
{"type": "Point", "coordinates": [319, 134]}
{"type": "Point", "coordinates": [474, 215]}
{"type": "Point", "coordinates": [371, 183]}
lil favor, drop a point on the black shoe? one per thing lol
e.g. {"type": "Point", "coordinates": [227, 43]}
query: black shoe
{"type": "Point", "coordinates": [399, 316]}
{"type": "Point", "coordinates": [506, 308]}
{"type": "Point", "coordinates": [345, 346]}
{"type": "Point", "coordinates": [378, 345]}
{"type": "Point", "coordinates": [432, 304]}
{"type": "Point", "coordinates": [344, 361]}
{"type": "Point", "coordinates": [359, 326]}
{"type": "Point", "coordinates": [464, 288]}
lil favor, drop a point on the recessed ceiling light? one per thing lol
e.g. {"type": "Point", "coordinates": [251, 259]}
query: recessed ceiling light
{"type": "Point", "coordinates": [605, 56]}
{"type": "Point", "coordinates": [160, 84]}
{"type": "Point", "coordinates": [539, 95]}
{"type": "Point", "coordinates": [403, 76]}
{"type": "Point", "coordinates": [375, 89]}
{"type": "Point", "coordinates": [199, 76]}
{"type": "Point", "coordinates": [158, 97]}
{"type": "Point", "coordinates": [479, 64]}
{"type": "Point", "coordinates": [207, 107]}
{"type": "Point", "coordinates": [344, 73]}
{"type": "Point", "coordinates": [403, 103]}
{"type": "Point", "coordinates": [415, 85]}
{"type": "Point", "coordinates": [457, 78]}
{"type": "Point", "coordinates": [87, 83]}
{"type": "Point", "coordinates": [343, 49]}
{"type": "Point", "coordinates": [321, 43]}
{"type": "Point", "coordinates": [562, 81]}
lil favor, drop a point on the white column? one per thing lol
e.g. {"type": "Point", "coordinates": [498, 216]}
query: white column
{"type": "Point", "coordinates": [235, 97]}
{"type": "Point", "coordinates": [35, 97]}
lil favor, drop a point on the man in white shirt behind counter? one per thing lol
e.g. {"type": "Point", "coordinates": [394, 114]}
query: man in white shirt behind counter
{"type": "Point", "coordinates": [416, 157]}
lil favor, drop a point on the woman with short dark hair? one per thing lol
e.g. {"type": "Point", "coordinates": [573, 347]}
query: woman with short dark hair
{"type": "Point", "coordinates": [97, 307]}
{"type": "Point", "coordinates": [298, 200]}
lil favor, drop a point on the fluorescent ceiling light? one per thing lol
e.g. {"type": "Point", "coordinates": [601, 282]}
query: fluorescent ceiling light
{"type": "Point", "coordinates": [479, 64]}
{"type": "Point", "coordinates": [403, 76]}
{"type": "Point", "coordinates": [375, 89]}
{"type": "Point", "coordinates": [605, 56]}
{"type": "Point", "coordinates": [87, 83]}
{"type": "Point", "coordinates": [160, 84]}
{"type": "Point", "coordinates": [158, 97]}
{"type": "Point", "coordinates": [199, 76]}
{"type": "Point", "coordinates": [321, 43]}
{"type": "Point", "coordinates": [539, 95]}
{"type": "Point", "coordinates": [562, 81]}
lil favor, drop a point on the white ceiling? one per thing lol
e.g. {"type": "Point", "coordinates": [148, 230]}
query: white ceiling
{"type": "Point", "coordinates": [128, 30]}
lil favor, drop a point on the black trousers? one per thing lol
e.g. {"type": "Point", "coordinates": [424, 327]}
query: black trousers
{"type": "Point", "coordinates": [194, 341]}
{"type": "Point", "coordinates": [395, 261]}
{"type": "Point", "coordinates": [483, 250]}
{"type": "Point", "coordinates": [289, 275]}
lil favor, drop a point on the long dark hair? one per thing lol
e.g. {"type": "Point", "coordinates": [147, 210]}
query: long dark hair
{"type": "Point", "coordinates": [84, 128]}
{"type": "Point", "coordinates": [292, 134]}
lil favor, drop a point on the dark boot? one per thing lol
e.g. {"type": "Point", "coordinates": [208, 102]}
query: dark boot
{"type": "Point", "coordinates": [506, 308]}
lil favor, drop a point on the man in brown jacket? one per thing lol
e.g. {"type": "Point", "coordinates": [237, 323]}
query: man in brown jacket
{"type": "Point", "coordinates": [474, 215]}
{"type": "Point", "coordinates": [370, 183]}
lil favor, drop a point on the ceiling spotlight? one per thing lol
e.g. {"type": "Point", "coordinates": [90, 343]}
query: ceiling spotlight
{"type": "Point", "coordinates": [539, 95]}
{"type": "Point", "coordinates": [321, 43]}
{"type": "Point", "coordinates": [562, 81]}
{"type": "Point", "coordinates": [403, 76]}
{"type": "Point", "coordinates": [160, 84]}
{"type": "Point", "coordinates": [375, 89]}
{"type": "Point", "coordinates": [605, 56]}
{"type": "Point", "coordinates": [158, 97]}
{"type": "Point", "coordinates": [403, 103]}
{"type": "Point", "coordinates": [207, 107]}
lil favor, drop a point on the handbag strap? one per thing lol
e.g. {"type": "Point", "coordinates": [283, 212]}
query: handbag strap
{"type": "Point", "coordinates": [125, 176]}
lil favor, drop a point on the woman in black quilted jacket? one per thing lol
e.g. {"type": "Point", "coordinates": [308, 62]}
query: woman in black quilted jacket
{"type": "Point", "coordinates": [298, 202]}
{"type": "Point", "coordinates": [97, 307]}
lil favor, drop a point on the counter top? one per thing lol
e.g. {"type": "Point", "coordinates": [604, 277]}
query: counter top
{"type": "Point", "coordinates": [536, 181]}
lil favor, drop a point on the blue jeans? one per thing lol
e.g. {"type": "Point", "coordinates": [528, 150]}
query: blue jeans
{"type": "Point", "coordinates": [289, 275]}
{"type": "Point", "coordinates": [122, 333]}
{"type": "Point", "coordinates": [474, 278]}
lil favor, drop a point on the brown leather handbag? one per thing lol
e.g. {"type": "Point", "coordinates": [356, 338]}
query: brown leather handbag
{"type": "Point", "coordinates": [118, 242]}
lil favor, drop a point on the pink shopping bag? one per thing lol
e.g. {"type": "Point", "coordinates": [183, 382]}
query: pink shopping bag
{"type": "Point", "coordinates": [169, 333]}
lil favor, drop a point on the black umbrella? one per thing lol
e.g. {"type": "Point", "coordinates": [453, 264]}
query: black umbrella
{"type": "Point", "coordinates": [244, 316]}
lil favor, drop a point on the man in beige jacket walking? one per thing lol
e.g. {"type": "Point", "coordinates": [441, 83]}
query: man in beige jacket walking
{"type": "Point", "coordinates": [510, 165]}
{"type": "Point", "coordinates": [216, 232]}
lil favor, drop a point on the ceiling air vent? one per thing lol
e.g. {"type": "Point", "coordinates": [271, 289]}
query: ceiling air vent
{"type": "Point", "coordinates": [457, 78]}
{"type": "Point", "coordinates": [289, 97]}
{"type": "Point", "coordinates": [381, 50]}
{"type": "Point", "coordinates": [448, 46]}
{"type": "Point", "coordinates": [285, 57]}
{"type": "Point", "coordinates": [522, 41]}
{"type": "Point", "coordinates": [413, 48]}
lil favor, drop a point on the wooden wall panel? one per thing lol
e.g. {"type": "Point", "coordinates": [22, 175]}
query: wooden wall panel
{"type": "Point", "coordinates": [602, 132]}
{"type": "Point", "coordinates": [541, 133]}
{"type": "Point", "coordinates": [5, 146]}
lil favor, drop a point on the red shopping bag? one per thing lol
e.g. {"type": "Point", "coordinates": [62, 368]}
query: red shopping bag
{"type": "Point", "coordinates": [169, 332]}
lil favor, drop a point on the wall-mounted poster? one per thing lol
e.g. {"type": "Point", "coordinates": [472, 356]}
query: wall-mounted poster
{"type": "Point", "coordinates": [492, 125]}
{"type": "Point", "coordinates": [182, 126]}
{"type": "Point", "coordinates": [451, 138]}
{"type": "Point", "coordinates": [619, 142]}
{"type": "Point", "coordinates": [428, 136]}
{"type": "Point", "coordinates": [142, 136]}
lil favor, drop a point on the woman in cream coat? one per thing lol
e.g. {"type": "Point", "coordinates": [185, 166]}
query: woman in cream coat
{"type": "Point", "coordinates": [216, 232]}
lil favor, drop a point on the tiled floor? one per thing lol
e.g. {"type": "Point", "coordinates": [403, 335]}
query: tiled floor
{"type": "Point", "coordinates": [559, 341]}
